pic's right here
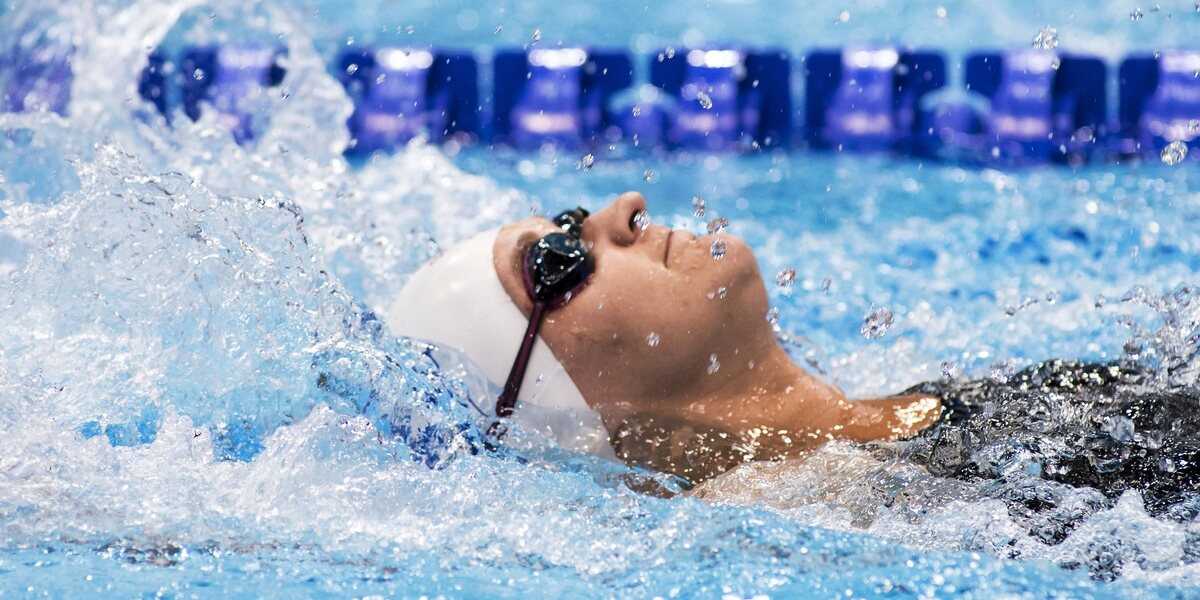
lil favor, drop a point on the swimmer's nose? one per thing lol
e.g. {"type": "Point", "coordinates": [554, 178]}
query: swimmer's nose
{"type": "Point", "coordinates": [615, 222]}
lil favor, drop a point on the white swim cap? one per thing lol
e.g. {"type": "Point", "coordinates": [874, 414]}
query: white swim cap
{"type": "Point", "coordinates": [457, 300]}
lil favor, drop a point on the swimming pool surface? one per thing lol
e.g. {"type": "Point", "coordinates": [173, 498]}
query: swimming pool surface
{"type": "Point", "coordinates": [196, 399]}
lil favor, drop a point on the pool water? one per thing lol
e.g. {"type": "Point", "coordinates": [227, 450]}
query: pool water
{"type": "Point", "coordinates": [197, 400]}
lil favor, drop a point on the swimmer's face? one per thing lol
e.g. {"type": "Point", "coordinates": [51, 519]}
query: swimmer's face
{"type": "Point", "coordinates": [651, 284]}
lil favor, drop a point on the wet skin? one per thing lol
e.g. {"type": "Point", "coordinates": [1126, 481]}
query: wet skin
{"type": "Point", "coordinates": [717, 388]}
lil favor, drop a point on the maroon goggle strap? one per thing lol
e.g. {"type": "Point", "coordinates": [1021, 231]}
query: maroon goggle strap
{"type": "Point", "coordinates": [508, 398]}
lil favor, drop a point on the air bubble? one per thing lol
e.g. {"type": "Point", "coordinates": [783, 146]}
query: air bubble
{"type": "Point", "coordinates": [497, 30]}
{"type": "Point", "coordinates": [1137, 14]}
{"type": "Point", "coordinates": [198, 74]}
{"type": "Point", "coordinates": [826, 283]}
{"type": "Point", "coordinates": [1046, 39]}
{"type": "Point", "coordinates": [1174, 152]}
{"type": "Point", "coordinates": [701, 208]}
{"type": "Point", "coordinates": [717, 250]}
{"type": "Point", "coordinates": [637, 111]}
{"type": "Point", "coordinates": [586, 163]}
{"type": "Point", "coordinates": [1194, 125]}
{"type": "Point", "coordinates": [704, 100]}
{"type": "Point", "coordinates": [641, 219]}
{"type": "Point", "coordinates": [648, 175]}
{"type": "Point", "coordinates": [876, 322]}
{"type": "Point", "coordinates": [670, 52]}
{"type": "Point", "coordinates": [722, 292]}
{"type": "Point", "coordinates": [714, 365]}
{"type": "Point", "coordinates": [718, 225]}
{"type": "Point", "coordinates": [652, 339]}
{"type": "Point", "coordinates": [785, 278]}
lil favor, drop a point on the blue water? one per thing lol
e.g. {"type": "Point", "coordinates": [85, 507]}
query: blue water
{"type": "Point", "coordinates": [197, 401]}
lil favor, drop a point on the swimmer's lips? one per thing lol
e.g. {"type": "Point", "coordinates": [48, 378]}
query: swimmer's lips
{"type": "Point", "coordinates": [670, 234]}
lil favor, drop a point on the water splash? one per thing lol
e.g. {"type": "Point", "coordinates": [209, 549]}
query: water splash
{"type": "Point", "coordinates": [641, 220]}
{"type": "Point", "coordinates": [1046, 38]}
{"type": "Point", "coordinates": [717, 249]}
{"type": "Point", "coordinates": [876, 322]}
{"type": "Point", "coordinates": [1174, 152]}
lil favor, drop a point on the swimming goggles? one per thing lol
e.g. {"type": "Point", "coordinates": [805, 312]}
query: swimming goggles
{"type": "Point", "coordinates": [556, 268]}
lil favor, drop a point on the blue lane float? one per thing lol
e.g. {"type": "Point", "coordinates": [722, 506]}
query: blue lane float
{"type": "Point", "coordinates": [153, 84]}
{"type": "Point", "coordinates": [1159, 102]}
{"type": "Point", "coordinates": [230, 78]}
{"type": "Point", "coordinates": [724, 98]}
{"type": "Point", "coordinates": [37, 79]}
{"type": "Point", "coordinates": [1022, 106]}
{"type": "Point", "coordinates": [867, 99]}
{"type": "Point", "coordinates": [556, 96]}
{"type": "Point", "coordinates": [403, 93]}
{"type": "Point", "coordinates": [1042, 105]}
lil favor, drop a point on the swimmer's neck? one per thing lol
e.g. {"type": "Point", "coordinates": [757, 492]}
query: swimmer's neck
{"type": "Point", "coordinates": [777, 396]}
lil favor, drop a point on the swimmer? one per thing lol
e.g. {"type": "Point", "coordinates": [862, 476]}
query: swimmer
{"type": "Point", "coordinates": [636, 342]}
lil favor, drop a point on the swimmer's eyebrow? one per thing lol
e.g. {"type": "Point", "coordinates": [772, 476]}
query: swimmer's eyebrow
{"type": "Point", "coordinates": [524, 242]}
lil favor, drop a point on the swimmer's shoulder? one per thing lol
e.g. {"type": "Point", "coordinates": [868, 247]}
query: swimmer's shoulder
{"type": "Point", "coordinates": [893, 417]}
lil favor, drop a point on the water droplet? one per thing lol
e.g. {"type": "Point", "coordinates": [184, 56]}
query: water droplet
{"type": "Point", "coordinates": [713, 364]}
{"type": "Point", "coordinates": [717, 249]}
{"type": "Point", "coordinates": [350, 70]}
{"type": "Point", "coordinates": [1052, 296]}
{"type": "Point", "coordinates": [700, 206]}
{"type": "Point", "coordinates": [722, 292]}
{"type": "Point", "coordinates": [410, 29]}
{"type": "Point", "coordinates": [648, 175]}
{"type": "Point", "coordinates": [1156, 8]}
{"type": "Point", "coordinates": [498, 29]}
{"type": "Point", "coordinates": [1046, 39]}
{"type": "Point", "coordinates": [704, 100]}
{"type": "Point", "coordinates": [1174, 152]}
{"type": "Point", "coordinates": [586, 163]}
{"type": "Point", "coordinates": [285, 93]}
{"type": "Point", "coordinates": [785, 278]}
{"type": "Point", "coordinates": [1194, 125]}
{"type": "Point", "coordinates": [652, 339]}
{"type": "Point", "coordinates": [537, 37]}
{"type": "Point", "coordinates": [637, 110]}
{"type": "Point", "coordinates": [949, 370]}
{"type": "Point", "coordinates": [773, 315]}
{"type": "Point", "coordinates": [670, 52]}
{"type": "Point", "coordinates": [941, 12]}
{"type": "Point", "coordinates": [876, 322]}
{"type": "Point", "coordinates": [382, 77]}
{"type": "Point", "coordinates": [717, 225]}
{"type": "Point", "coordinates": [1133, 348]}
{"type": "Point", "coordinates": [1001, 373]}
{"type": "Point", "coordinates": [1137, 14]}
{"type": "Point", "coordinates": [825, 283]}
{"type": "Point", "coordinates": [641, 219]}
{"type": "Point", "coordinates": [198, 74]}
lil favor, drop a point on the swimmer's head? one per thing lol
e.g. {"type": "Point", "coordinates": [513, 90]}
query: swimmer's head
{"type": "Point", "coordinates": [457, 301]}
{"type": "Point", "coordinates": [664, 320]}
